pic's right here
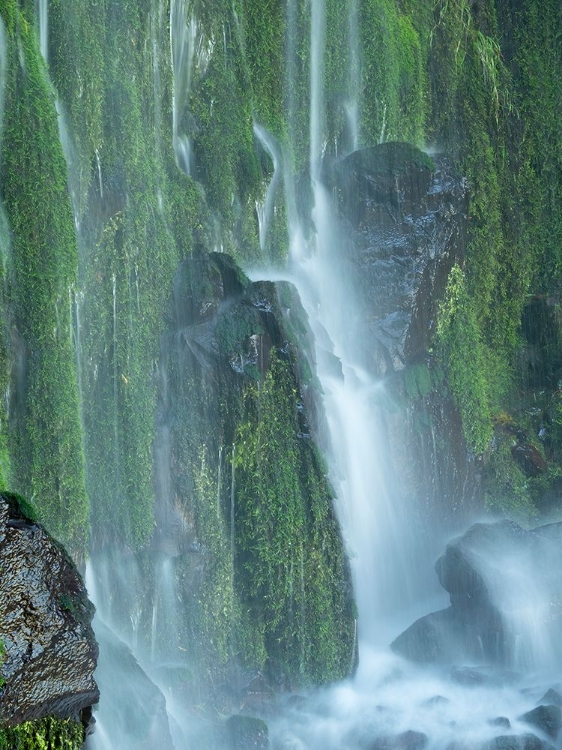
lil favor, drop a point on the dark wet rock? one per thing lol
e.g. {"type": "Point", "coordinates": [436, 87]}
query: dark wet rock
{"type": "Point", "coordinates": [546, 718]}
{"type": "Point", "coordinates": [246, 733]}
{"type": "Point", "coordinates": [477, 569]}
{"type": "Point", "coordinates": [45, 623]}
{"type": "Point", "coordinates": [500, 721]}
{"type": "Point", "coordinates": [142, 709]}
{"type": "Point", "coordinates": [407, 216]}
{"type": "Point", "coordinates": [223, 317]}
{"type": "Point", "coordinates": [551, 698]}
{"type": "Point", "coordinates": [409, 740]}
{"type": "Point", "coordinates": [518, 742]}
{"type": "Point", "coordinates": [432, 638]}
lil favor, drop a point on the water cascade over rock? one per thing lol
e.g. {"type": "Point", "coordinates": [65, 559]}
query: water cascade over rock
{"type": "Point", "coordinates": [280, 305]}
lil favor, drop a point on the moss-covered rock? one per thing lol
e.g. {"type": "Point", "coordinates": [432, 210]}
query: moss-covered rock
{"type": "Point", "coordinates": [250, 485]}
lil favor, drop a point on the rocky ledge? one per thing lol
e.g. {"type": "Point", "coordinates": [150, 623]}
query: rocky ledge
{"type": "Point", "coordinates": [50, 651]}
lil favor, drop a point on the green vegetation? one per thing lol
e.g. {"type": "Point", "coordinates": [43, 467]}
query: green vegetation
{"type": "Point", "coordinates": [462, 352]}
{"type": "Point", "coordinates": [43, 734]}
{"type": "Point", "coordinates": [46, 434]}
{"type": "Point", "coordinates": [289, 565]}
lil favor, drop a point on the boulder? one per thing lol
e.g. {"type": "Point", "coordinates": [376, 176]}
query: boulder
{"type": "Point", "coordinates": [406, 216]}
{"type": "Point", "coordinates": [45, 623]}
{"type": "Point", "coordinates": [518, 742]}
{"type": "Point", "coordinates": [552, 697]}
{"type": "Point", "coordinates": [546, 718]}
{"type": "Point", "coordinates": [488, 572]}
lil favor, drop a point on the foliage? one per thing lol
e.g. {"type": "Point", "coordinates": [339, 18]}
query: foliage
{"type": "Point", "coordinates": [463, 355]}
{"type": "Point", "coordinates": [293, 589]}
{"type": "Point", "coordinates": [47, 443]}
{"type": "Point", "coordinates": [43, 734]}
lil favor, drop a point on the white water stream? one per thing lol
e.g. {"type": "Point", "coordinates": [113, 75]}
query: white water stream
{"type": "Point", "coordinates": [183, 37]}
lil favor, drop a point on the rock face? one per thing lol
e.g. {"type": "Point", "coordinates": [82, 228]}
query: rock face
{"type": "Point", "coordinates": [488, 572]}
{"type": "Point", "coordinates": [407, 219]}
{"type": "Point", "coordinates": [135, 717]}
{"type": "Point", "coordinates": [45, 623]}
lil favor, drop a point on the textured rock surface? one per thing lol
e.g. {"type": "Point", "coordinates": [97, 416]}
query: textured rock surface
{"type": "Point", "coordinates": [486, 571]}
{"type": "Point", "coordinates": [45, 618]}
{"type": "Point", "coordinates": [407, 219]}
{"type": "Point", "coordinates": [546, 718]}
{"type": "Point", "coordinates": [140, 717]}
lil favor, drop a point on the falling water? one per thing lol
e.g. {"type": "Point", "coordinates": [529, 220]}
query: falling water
{"type": "Point", "coordinates": [265, 209]}
{"type": "Point", "coordinates": [3, 69]}
{"type": "Point", "coordinates": [351, 105]}
{"type": "Point", "coordinates": [317, 34]}
{"type": "Point", "coordinates": [183, 35]}
{"type": "Point", "coordinates": [4, 226]}
{"type": "Point", "coordinates": [43, 9]}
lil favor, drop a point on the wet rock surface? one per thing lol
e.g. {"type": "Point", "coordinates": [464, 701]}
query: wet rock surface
{"type": "Point", "coordinates": [406, 216]}
{"type": "Point", "coordinates": [518, 742]}
{"type": "Point", "coordinates": [485, 571]}
{"type": "Point", "coordinates": [142, 710]}
{"type": "Point", "coordinates": [45, 623]}
{"type": "Point", "coordinates": [546, 718]}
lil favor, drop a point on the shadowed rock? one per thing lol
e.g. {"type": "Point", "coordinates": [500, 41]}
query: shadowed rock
{"type": "Point", "coordinates": [546, 718]}
{"type": "Point", "coordinates": [487, 571]}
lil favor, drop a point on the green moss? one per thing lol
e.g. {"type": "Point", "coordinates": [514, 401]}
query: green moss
{"type": "Point", "coordinates": [47, 443]}
{"type": "Point", "coordinates": [289, 565]}
{"type": "Point", "coordinates": [43, 734]}
{"type": "Point", "coordinates": [507, 490]}
{"type": "Point", "coordinates": [463, 355]}
{"type": "Point", "coordinates": [395, 84]}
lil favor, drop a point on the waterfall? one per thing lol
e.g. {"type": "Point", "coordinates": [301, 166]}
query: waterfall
{"type": "Point", "coordinates": [351, 105]}
{"type": "Point", "coordinates": [43, 9]}
{"type": "Point", "coordinates": [266, 208]}
{"type": "Point", "coordinates": [4, 227]}
{"type": "Point", "coordinates": [144, 592]}
{"type": "Point", "coordinates": [183, 35]}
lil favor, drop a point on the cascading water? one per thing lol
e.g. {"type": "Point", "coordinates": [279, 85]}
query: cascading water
{"type": "Point", "coordinates": [4, 228]}
{"type": "Point", "coordinates": [43, 11]}
{"type": "Point", "coordinates": [266, 208]}
{"type": "Point", "coordinates": [183, 36]}
{"type": "Point", "coordinates": [391, 568]}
